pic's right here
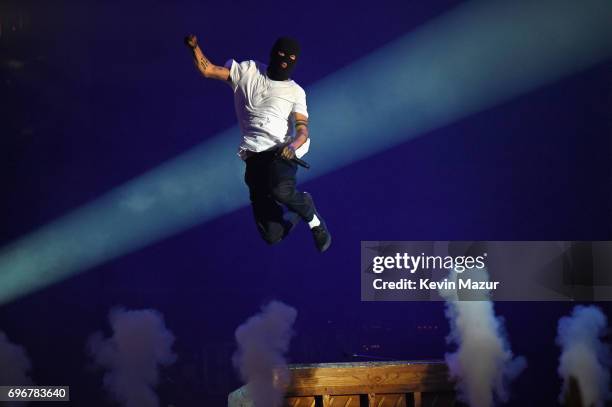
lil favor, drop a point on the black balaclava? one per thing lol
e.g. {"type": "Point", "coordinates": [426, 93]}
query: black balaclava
{"type": "Point", "coordinates": [288, 46]}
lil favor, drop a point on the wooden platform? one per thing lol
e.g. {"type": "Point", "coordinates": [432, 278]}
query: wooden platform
{"type": "Point", "coordinates": [380, 384]}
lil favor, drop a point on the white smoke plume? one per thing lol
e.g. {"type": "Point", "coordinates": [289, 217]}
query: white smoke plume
{"type": "Point", "coordinates": [140, 343]}
{"type": "Point", "coordinates": [583, 355]}
{"type": "Point", "coordinates": [483, 364]}
{"type": "Point", "coordinates": [263, 341]}
{"type": "Point", "coordinates": [14, 363]}
{"type": "Point", "coordinates": [14, 366]}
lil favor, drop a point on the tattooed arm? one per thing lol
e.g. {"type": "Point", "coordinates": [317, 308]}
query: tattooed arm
{"type": "Point", "coordinates": [301, 135]}
{"type": "Point", "coordinates": [206, 68]}
{"type": "Point", "coordinates": [301, 130]}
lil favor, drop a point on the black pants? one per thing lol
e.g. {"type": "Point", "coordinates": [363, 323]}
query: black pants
{"type": "Point", "coordinates": [271, 181]}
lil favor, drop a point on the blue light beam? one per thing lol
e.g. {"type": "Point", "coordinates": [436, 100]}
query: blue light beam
{"type": "Point", "coordinates": [477, 56]}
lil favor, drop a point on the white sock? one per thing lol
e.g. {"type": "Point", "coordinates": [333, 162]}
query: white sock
{"type": "Point", "coordinates": [314, 222]}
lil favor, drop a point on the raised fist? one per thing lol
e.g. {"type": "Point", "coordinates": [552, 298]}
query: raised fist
{"type": "Point", "coordinates": [191, 41]}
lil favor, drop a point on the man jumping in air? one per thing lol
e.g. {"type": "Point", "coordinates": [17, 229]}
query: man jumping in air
{"type": "Point", "coordinates": [268, 105]}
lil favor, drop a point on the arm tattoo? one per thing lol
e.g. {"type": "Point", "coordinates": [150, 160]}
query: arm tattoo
{"type": "Point", "coordinates": [301, 123]}
{"type": "Point", "coordinates": [204, 62]}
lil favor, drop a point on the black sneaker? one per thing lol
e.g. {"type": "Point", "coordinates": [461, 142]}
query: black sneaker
{"type": "Point", "coordinates": [321, 235]}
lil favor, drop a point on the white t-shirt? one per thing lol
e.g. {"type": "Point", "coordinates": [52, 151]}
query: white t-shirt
{"type": "Point", "coordinates": [265, 107]}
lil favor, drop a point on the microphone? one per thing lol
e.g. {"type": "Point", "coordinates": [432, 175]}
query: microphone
{"type": "Point", "coordinates": [296, 160]}
{"type": "Point", "coordinates": [301, 162]}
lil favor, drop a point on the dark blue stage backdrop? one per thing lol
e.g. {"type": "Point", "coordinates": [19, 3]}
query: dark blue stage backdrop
{"type": "Point", "coordinates": [95, 93]}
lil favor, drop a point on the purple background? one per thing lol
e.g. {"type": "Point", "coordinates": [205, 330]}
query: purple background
{"type": "Point", "coordinates": [108, 91]}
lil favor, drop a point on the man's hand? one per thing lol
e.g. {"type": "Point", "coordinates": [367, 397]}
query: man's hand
{"type": "Point", "coordinates": [191, 41]}
{"type": "Point", "coordinates": [288, 152]}
{"type": "Point", "coordinates": [206, 68]}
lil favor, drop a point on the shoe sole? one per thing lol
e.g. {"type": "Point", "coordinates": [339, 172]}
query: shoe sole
{"type": "Point", "coordinates": [327, 244]}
